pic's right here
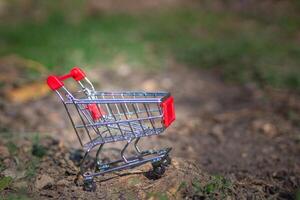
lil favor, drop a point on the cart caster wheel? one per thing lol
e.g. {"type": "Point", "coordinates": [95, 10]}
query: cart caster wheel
{"type": "Point", "coordinates": [167, 161]}
{"type": "Point", "coordinates": [89, 185]}
{"type": "Point", "coordinates": [157, 172]}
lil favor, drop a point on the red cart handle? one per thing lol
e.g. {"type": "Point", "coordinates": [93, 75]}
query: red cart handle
{"type": "Point", "coordinates": [56, 82]}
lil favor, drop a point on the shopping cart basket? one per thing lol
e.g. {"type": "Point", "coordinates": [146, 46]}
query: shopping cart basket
{"type": "Point", "coordinates": [105, 117]}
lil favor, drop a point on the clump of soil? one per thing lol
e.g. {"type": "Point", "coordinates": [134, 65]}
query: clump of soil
{"type": "Point", "coordinates": [56, 176]}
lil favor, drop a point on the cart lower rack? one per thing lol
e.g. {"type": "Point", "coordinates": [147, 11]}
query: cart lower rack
{"type": "Point", "coordinates": [105, 117]}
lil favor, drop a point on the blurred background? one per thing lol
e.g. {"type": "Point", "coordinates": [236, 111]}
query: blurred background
{"type": "Point", "coordinates": [245, 40]}
{"type": "Point", "coordinates": [233, 67]}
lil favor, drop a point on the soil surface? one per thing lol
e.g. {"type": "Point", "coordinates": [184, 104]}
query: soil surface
{"type": "Point", "coordinates": [229, 141]}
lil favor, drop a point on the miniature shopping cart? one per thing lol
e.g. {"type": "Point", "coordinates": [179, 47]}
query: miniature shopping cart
{"type": "Point", "coordinates": [105, 117]}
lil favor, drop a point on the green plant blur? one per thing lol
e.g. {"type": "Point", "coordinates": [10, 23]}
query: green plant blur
{"type": "Point", "coordinates": [243, 48]}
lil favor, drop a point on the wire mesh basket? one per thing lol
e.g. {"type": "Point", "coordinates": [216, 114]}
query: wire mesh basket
{"type": "Point", "coordinates": [105, 117]}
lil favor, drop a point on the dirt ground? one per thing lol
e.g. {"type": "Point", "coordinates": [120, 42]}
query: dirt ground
{"type": "Point", "coordinates": [229, 141]}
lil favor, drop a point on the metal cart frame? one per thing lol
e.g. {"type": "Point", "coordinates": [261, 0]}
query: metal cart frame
{"type": "Point", "coordinates": [105, 117]}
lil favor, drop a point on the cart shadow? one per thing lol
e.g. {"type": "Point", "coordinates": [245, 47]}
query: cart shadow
{"type": "Point", "coordinates": [150, 175]}
{"type": "Point", "coordinates": [76, 156]}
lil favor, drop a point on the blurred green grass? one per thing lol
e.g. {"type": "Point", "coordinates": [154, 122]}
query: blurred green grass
{"type": "Point", "coordinates": [243, 48]}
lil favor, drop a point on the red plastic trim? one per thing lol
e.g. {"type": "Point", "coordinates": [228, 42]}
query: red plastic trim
{"type": "Point", "coordinates": [54, 83]}
{"type": "Point", "coordinates": [168, 111]}
{"type": "Point", "coordinates": [96, 112]}
{"type": "Point", "coordinates": [77, 73]}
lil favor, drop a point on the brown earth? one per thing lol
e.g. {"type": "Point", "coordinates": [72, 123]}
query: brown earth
{"type": "Point", "coordinates": [248, 135]}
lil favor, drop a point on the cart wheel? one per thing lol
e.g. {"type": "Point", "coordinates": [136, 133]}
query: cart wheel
{"type": "Point", "coordinates": [167, 161]}
{"type": "Point", "coordinates": [89, 185]}
{"type": "Point", "coordinates": [158, 171]}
